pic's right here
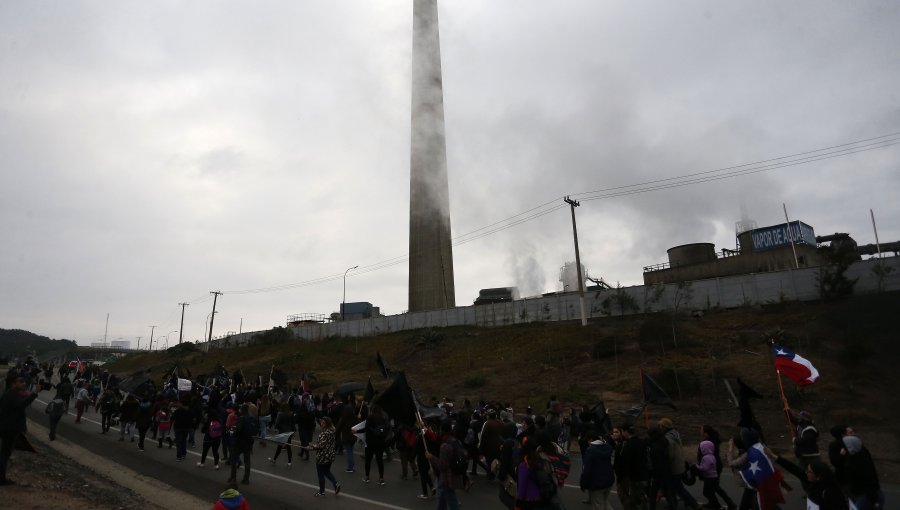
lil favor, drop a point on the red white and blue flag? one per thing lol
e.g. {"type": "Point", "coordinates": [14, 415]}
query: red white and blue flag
{"type": "Point", "coordinates": [759, 473]}
{"type": "Point", "coordinates": [795, 367]}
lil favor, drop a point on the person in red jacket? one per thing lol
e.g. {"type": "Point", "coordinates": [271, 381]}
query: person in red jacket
{"type": "Point", "coordinates": [231, 499]}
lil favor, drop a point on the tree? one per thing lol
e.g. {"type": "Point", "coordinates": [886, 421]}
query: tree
{"type": "Point", "coordinates": [833, 282]}
{"type": "Point", "coordinates": [881, 271]}
{"type": "Point", "coordinates": [621, 300]}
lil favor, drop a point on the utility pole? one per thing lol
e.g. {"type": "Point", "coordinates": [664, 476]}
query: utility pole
{"type": "Point", "coordinates": [572, 205]}
{"type": "Point", "coordinates": [139, 343]}
{"type": "Point", "coordinates": [787, 224]}
{"type": "Point", "coordinates": [877, 244]}
{"type": "Point", "coordinates": [181, 331]}
{"type": "Point", "coordinates": [212, 318]}
{"type": "Point", "coordinates": [151, 337]}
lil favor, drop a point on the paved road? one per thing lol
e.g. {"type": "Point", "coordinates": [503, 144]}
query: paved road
{"type": "Point", "coordinates": [277, 487]}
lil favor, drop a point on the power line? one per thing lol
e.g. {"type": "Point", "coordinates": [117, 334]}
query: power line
{"type": "Point", "coordinates": [834, 151]}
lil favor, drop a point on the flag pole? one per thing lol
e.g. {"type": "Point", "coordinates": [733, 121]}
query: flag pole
{"type": "Point", "coordinates": [787, 409]}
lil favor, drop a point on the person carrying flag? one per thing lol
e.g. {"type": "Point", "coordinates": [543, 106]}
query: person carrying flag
{"type": "Point", "coordinates": [806, 442]}
{"type": "Point", "coordinates": [756, 471]}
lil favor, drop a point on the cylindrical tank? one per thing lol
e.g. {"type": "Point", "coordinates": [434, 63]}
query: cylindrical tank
{"type": "Point", "coordinates": [690, 254]}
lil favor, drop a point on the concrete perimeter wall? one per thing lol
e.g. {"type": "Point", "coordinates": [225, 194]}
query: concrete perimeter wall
{"type": "Point", "coordinates": [726, 292]}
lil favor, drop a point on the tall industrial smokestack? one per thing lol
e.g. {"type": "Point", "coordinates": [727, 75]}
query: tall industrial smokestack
{"type": "Point", "coordinates": [430, 251]}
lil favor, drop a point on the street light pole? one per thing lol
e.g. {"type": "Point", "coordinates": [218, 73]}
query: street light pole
{"type": "Point", "coordinates": [167, 337]}
{"type": "Point", "coordinates": [344, 299]}
{"type": "Point", "coordinates": [206, 325]}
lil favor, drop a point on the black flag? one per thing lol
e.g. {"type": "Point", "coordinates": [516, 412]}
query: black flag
{"type": "Point", "coordinates": [428, 411]}
{"type": "Point", "coordinates": [748, 419]}
{"type": "Point", "coordinates": [397, 401]}
{"type": "Point", "coordinates": [633, 411]}
{"type": "Point", "coordinates": [385, 371]}
{"type": "Point", "coordinates": [604, 423]}
{"type": "Point", "coordinates": [653, 393]}
{"type": "Point", "coordinates": [370, 391]}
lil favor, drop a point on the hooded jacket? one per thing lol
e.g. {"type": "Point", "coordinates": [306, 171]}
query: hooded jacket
{"type": "Point", "coordinates": [231, 499]}
{"type": "Point", "coordinates": [707, 465]}
{"type": "Point", "coordinates": [597, 473]}
{"type": "Point", "coordinates": [676, 452]}
{"type": "Point", "coordinates": [861, 477]}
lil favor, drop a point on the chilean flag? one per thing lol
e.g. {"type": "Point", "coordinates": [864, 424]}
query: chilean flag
{"type": "Point", "coordinates": [759, 473]}
{"type": "Point", "coordinates": [796, 367]}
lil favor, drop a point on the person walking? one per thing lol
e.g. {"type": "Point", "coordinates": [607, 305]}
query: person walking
{"type": "Point", "coordinates": [344, 431]}
{"type": "Point", "coordinates": [631, 470]}
{"type": "Point", "coordinates": [862, 478]}
{"type": "Point", "coordinates": [708, 433]}
{"type": "Point", "coordinates": [706, 470]}
{"type": "Point", "coordinates": [65, 390]}
{"type": "Point", "coordinates": [823, 489]}
{"type": "Point", "coordinates": [12, 418]}
{"type": "Point", "coordinates": [55, 410]}
{"type": "Point", "coordinates": [127, 416]}
{"type": "Point", "coordinates": [284, 424]}
{"type": "Point", "coordinates": [143, 418]}
{"type": "Point", "coordinates": [212, 437]}
{"type": "Point", "coordinates": [528, 494]}
{"type": "Point", "coordinates": [244, 435]}
{"type": "Point", "coordinates": [597, 475]}
{"type": "Point", "coordinates": [377, 428]}
{"type": "Point", "coordinates": [325, 453]}
{"type": "Point", "coordinates": [675, 488]}
{"type": "Point", "coordinates": [182, 422]}
{"type": "Point", "coordinates": [806, 443]}
{"type": "Point", "coordinates": [109, 405]}
{"type": "Point", "coordinates": [82, 399]}
{"type": "Point", "coordinates": [449, 480]}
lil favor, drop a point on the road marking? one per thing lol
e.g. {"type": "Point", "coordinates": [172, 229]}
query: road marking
{"type": "Point", "coordinates": [277, 477]}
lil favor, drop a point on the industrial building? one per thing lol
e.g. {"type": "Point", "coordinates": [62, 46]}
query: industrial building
{"type": "Point", "coordinates": [778, 247]}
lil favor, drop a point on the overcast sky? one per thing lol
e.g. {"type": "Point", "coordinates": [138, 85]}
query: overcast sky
{"type": "Point", "coordinates": [152, 152]}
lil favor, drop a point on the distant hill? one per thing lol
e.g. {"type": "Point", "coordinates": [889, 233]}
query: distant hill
{"type": "Point", "coordinates": [17, 343]}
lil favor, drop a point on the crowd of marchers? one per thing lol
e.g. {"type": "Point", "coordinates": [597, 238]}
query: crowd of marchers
{"type": "Point", "coordinates": [526, 455]}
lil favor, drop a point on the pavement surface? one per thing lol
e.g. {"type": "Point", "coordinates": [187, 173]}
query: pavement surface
{"type": "Point", "coordinates": [279, 487]}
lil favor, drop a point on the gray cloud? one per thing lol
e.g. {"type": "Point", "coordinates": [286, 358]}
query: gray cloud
{"type": "Point", "coordinates": [153, 152]}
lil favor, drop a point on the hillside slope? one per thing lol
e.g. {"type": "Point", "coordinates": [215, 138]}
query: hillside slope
{"type": "Point", "coordinates": [851, 342]}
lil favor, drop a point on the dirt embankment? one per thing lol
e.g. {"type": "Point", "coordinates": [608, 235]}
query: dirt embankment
{"type": "Point", "coordinates": [62, 474]}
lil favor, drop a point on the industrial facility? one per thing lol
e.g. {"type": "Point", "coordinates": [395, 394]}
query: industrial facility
{"type": "Point", "coordinates": [779, 247]}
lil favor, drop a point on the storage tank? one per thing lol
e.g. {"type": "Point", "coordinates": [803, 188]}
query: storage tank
{"type": "Point", "coordinates": [690, 254]}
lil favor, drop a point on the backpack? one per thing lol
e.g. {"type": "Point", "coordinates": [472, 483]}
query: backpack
{"type": "Point", "coordinates": [470, 437]}
{"type": "Point", "coordinates": [410, 438]}
{"type": "Point", "coordinates": [560, 464]}
{"type": "Point", "coordinates": [546, 480]}
{"type": "Point", "coordinates": [162, 420]}
{"type": "Point", "coordinates": [249, 426]}
{"type": "Point", "coordinates": [215, 429]}
{"type": "Point", "coordinates": [459, 463]}
{"type": "Point", "coordinates": [53, 407]}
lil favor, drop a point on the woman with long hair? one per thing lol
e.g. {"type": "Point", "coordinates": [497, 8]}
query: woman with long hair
{"type": "Point", "coordinates": [324, 447]}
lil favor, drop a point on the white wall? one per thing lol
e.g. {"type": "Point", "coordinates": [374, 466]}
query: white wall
{"type": "Point", "coordinates": [726, 292]}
